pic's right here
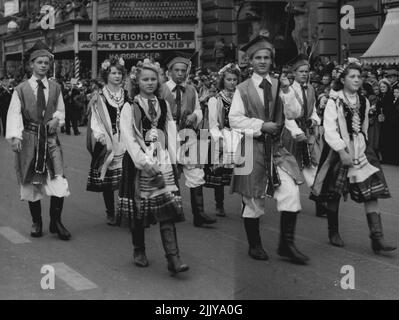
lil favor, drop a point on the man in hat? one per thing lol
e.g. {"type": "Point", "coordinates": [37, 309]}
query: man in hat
{"type": "Point", "coordinates": [36, 111]}
{"type": "Point", "coordinates": [301, 137]}
{"type": "Point", "coordinates": [186, 111]}
{"type": "Point", "coordinates": [258, 109]}
{"type": "Point", "coordinates": [392, 76]}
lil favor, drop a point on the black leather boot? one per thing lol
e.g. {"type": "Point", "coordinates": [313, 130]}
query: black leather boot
{"type": "Point", "coordinates": [219, 198]}
{"type": "Point", "coordinates": [139, 256]}
{"type": "Point", "coordinates": [376, 233]}
{"type": "Point", "coordinates": [333, 234]}
{"type": "Point", "coordinates": [56, 226]}
{"type": "Point", "coordinates": [37, 223]}
{"type": "Point", "coordinates": [169, 242]}
{"type": "Point", "coordinates": [287, 246]}
{"type": "Point", "coordinates": [321, 211]}
{"type": "Point", "coordinates": [110, 207]}
{"type": "Point", "coordinates": [255, 250]}
{"type": "Point", "coordinates": [197, 206]}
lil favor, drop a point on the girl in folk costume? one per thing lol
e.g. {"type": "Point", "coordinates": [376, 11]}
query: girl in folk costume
{"type": "Point", "coordinates": [149, 188]}
{"type": "Point", "coordinates": [103, 135]}
{"type": "Point", "coordinates": [219, 174]}
{"type": "Point", "coordinates": [348, 164]}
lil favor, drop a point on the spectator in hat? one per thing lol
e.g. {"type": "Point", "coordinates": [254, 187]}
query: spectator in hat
{"type": "Point", "coordinates": [385, 104]}
{"type": "Point", "coordinates": [392, 76]}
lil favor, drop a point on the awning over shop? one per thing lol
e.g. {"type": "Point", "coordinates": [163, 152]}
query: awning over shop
{"type": "Point", "coordinates": [385, 48]}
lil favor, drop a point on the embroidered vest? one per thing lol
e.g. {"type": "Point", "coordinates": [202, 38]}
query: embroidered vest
{"type": "Point", "coordinates": [29, 104]}
{"type": "Point", "coordinates": [146, 123]}
{"type": "Point", "coordinates": [187, 102]}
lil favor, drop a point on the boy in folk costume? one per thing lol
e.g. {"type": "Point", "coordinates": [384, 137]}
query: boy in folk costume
{"type": "Point", "coordinates": [36, 111]}
{"type": "Point", "coordinates": [301, 136]}
{"type": "Point", "coordinates": [186, 111]}
{"type": "Point", "coordinates": [258, 106]}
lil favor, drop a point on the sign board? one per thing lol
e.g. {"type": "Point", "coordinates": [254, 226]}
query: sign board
{"type": "Point", "coordinates": [138, 41]}
{"type": "Point", "coordinates": [11, 7]}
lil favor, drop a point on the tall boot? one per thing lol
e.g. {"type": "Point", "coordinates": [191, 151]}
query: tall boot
{"type": "Point", "coordinates": [333, 234]}
{"type": "Point", "coordinates": [110, 207]}
{"type": "Point", "coordinates": [255, 250]}
{"type": "Point", "coordinates": [37, 223]}
{"type": "Point", "coordinates": [219, 198]}
{"type": "Point", "coordinates": [139, 256]}
{"type": "Point", "coordinates": [56, 226]}
{"type": "Point", "coordinates": [321, 210]}
{"type": "Point", "coordinates": [287, 246]}
{"type": "Point", "coordinates": [169, 242]}
{"type": "Point", "coordinates": [376, 233]}
{"type": "Point", "coordinates": [197, 206]}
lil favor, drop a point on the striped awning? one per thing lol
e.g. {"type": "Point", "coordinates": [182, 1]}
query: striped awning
{"type": "Point", "coordinates": [385, 48]}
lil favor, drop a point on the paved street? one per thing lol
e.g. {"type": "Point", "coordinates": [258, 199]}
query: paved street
{"type": "Point", "coordinates": [97, 262]}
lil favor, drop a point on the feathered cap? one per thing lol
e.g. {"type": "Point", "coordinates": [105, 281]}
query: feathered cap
{"type": "Point", "coordinates": [39, 49]}
{"type": "Point", "coordinates": [300, 60]}
{"type": "Point", "coordinates": [258, 43]}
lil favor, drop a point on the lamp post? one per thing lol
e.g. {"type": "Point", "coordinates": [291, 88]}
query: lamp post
{"type": "Point", "coordinates": [94, 48]}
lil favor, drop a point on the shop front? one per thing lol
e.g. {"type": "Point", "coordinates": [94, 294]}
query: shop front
{"type": "Point", "coordinates": [72, 45]}
{"type": "Point", "coordinates": [133, 46]}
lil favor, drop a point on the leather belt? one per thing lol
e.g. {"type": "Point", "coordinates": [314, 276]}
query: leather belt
{"type": "Point", "coordinates": [31, 127]}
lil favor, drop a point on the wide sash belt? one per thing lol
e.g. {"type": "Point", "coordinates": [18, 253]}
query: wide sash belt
{"type": "Point", "coordinates": [41, 149]}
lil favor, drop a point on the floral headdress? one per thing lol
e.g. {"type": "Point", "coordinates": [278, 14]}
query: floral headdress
{"type": "Point", "coordinates": [350, 61]}
{"type": "Point", "coordinates": [112, 61]}
{"type": "Point", "coordinates": [145, 64]}
{"type": "Point", "coordinates": [230, 66]}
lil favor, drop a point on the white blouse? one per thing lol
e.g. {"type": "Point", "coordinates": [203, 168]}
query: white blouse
{"type": "Point", "coordinates": [133, 140]}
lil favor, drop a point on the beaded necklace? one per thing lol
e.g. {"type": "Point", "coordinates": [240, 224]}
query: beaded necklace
{"type": "Point", "coordinates": [354, 109]}
{"type": "Point", "coordinates": [114, 99]}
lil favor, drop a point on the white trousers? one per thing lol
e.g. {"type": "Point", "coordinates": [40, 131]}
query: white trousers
{"type": "Point", "coordinates": [287, 197]}
{"type": "Point", "coordinates": [57, 187]}
{"type": "Point", "coordinates": [194, 176]}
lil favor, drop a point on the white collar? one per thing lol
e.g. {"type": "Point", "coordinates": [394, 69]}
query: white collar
{"type": "Point", "coordinates": [298, 85]}
{"type": "Point", "coordinates": [143, 102]}
{"type": "Point", "coordinates": [33, 80]}
{"type": "Point", "coordinates": [173, 84]}
{"type": "Point", "coordinates": [258, 78]}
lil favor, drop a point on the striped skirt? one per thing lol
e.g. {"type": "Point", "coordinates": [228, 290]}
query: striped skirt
{"type": "Point", "coordinates": [154, 203]}
{"type": "Point", "coordinates": [217, 176]}
{"type": "Point", "coordinates": [336, 183]}
{"type": "Point", "coordinates": [111, 180]}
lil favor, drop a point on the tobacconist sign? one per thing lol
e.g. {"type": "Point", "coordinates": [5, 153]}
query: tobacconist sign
{"type": "Point", "coordinates": [138, 41]}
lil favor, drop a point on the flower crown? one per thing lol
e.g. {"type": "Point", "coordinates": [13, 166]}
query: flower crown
{"type": "Point", "coordinates": [348, 62]}
{"type": "Point", "coordinates": [146, 63]}
{"type": "Point", "coordinates": [112, 61]}
{"type": "Point", "coordinates": [231, 66]}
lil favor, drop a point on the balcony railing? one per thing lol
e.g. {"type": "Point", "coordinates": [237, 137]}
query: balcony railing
{"type": "Point", "coordinates": [153, 10]}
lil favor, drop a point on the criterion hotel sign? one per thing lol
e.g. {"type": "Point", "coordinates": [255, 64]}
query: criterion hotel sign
{"type": "Point", "coordinates": [138, 41]}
